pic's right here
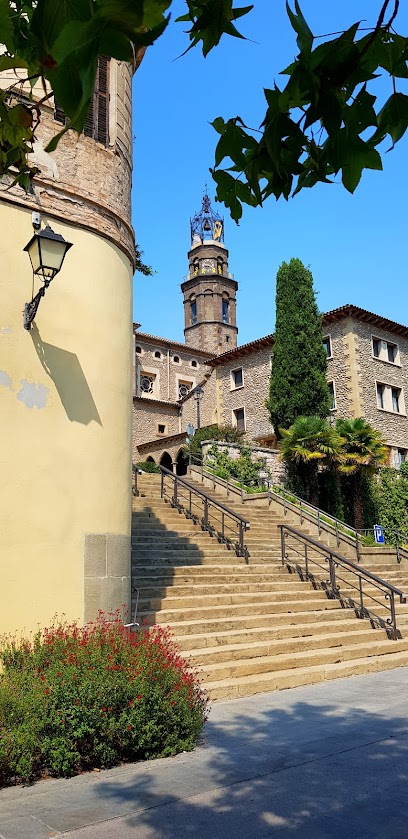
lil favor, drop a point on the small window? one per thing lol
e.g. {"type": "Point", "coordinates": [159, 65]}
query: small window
{"type": "Point", "coordinates": [225, 311]}
{"type": "Point", "coordinates": [395, 399]}
{"type": "Point", "coordinates": [138, 349]}
{"type": "Point", "coordinates": [184, 389]}
{"type": "Point", "coordinates": [239, 418]}
{"type": "Point", "coordinates": [161, 429]}
{"type": "Point", "coordinates": [176, 359]}
{"type": "Point", "coordinates": [147, 383]}
{"type": "Point", "coordinates": [237, 378]}
{"type": "Point", "coordinates": [157, 354]}
{"type": "Point", "coordinates": [400, 457]}
{"type": "Point", "coordinates": [97, 119]}
{"type": "Point", "coordinates": [376, 347]}
{"type": "Point", "coordinates": [194, 363]}
{"type": "Point", "coordinates": [327, 346]}
{"type": "Point", "coordinates": [193, 313]}
{"type": "Point", "coordinates": [332, 396]}
{"type": "Point", "coordinates": [391, 352]}
{"type": "Point", "coordinates": [380, 396]}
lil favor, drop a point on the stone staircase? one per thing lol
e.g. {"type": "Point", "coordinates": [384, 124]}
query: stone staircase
{"type": "Point", "coordinates": [248, 627]}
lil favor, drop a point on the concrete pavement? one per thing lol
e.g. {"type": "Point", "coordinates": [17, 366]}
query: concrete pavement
{"type": "Point", "coordinates": [329, 760]}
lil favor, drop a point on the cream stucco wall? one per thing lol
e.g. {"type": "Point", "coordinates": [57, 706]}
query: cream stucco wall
{"type": "Point", "coordinates": [65, 447]}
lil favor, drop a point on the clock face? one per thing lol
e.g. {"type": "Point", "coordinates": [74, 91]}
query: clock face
{"type": "Point", "coordinates": [208, 266]}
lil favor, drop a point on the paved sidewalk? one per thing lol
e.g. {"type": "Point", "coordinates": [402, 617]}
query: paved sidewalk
{"type": "Point", "coordinates": [329, 760]}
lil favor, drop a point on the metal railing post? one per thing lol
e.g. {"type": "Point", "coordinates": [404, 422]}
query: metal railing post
{"type": "Point", "coordinates": [205, 519]}
{"type": "Point", "coordinates": [392, 609]}
{"type": "Point", "coordinates": [397, 547]}
{"type": "Point", "coordinates": [162, 485]}
{"type": "Point", "coordinates": [306, 561]}
{"type": "Point", "coordinates": [241, 538]}
{"type": "Point", "coordinates": [222, 525]}
{"type": "Point", "coordinates": [332, 566]}
{"type": "Point", "coordinates": [360, 586]}
{"type": "Point", "coordinates": [357, 547]}
{"type": "Point", "coordinates": [318, 521]}
{"type": "Point", "coordinates": [175, 491]}
{"type": "Point", "coordinates": [283, 537]}
{"type": "Point", "coordinates": [301, 513]}
{"type": "Point", "coordinates": [337, 533]}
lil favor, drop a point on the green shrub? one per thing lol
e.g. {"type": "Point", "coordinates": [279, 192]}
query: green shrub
{"type": "Point", "coordinates": [243, 470]}
{"type": "Point", "coordinates": [76, 698]}
{"type": "Point", "coordinates": [147, 466]}
{"type": "Point", "coordinates": [224, 433]}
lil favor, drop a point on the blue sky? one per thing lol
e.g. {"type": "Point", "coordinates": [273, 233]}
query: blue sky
{"type": "Point", "coordinates": [354, 245]}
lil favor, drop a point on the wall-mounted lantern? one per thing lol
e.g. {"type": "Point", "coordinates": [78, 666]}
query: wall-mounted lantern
{"type": "Point", "coordinates": [47, 251]}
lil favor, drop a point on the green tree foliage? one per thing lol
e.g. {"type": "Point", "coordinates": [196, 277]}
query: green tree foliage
{"type": "Point", "coordinates": [308, 444]}
{"type": "Point", "coordinates": [391, 494]}
{"type": "Point", "coordinates": [57, 43]}
{"type": "Point", "coordinates": [244, 470]}
{"type": "Point", "coordinates": [298, 384]}
{"type": "Point", "coordinates": [362, 453]}
{"type": "Point", "coordinates": [325, 120]}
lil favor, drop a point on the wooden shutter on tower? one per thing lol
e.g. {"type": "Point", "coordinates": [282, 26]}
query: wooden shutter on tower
{"type": "Point", "coordinates": [97, 119]}
{"type": "Point", "coordinates": [97, 123]}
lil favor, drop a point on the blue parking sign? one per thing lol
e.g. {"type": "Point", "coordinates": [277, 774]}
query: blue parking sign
{"type": "Point", "coordinates": [379, 534]}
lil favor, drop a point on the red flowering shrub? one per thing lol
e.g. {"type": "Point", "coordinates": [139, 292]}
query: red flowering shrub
{"type": "Point", "coordinates": [76, 698]}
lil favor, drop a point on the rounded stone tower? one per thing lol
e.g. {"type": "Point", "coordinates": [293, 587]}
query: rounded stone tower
{"type": "Point", "coordinates": [66, 383]}
{"type": "Point", "coordinates": [209, 290]}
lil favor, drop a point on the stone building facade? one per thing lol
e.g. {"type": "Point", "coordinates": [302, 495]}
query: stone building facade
{"type": "Point", "coordinates": [367, 364]}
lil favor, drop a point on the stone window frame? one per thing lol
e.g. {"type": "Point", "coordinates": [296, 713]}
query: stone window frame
{"type": "Point", "coordinates": [329, 339]}
{"type": "Point", "coordinates": [155, 373]}
{"type": "Point", "coordinates": [233, 386]}
{"type": "Point", "coordinates": [397, 362]}
{"type": "Point", "coordinates": [234, 417]}
{"type": "Point", "coordinates": [176, 359]}
{"type": "Point", "coordinates": [194, 363]}
{"type": "Point", "coordinates": [157, 354]}
{"type": "Point", "coordinates": [139, 350]}
{"type": "Point", "coordinates": [182, 379]}
{"type": "Point", "coordinates": [387, 393]}
{"type": "Point", "coordinates": [396, 461]}
{"type": "Point", "coordinates": [162, 425]}
{"type": "Point", "coordinates": [334, 402]}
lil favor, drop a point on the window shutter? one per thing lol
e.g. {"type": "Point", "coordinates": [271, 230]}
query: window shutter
{"type": "Point", "coordinates": [101, 104]}
{"type": "Point", "coordinates": [97, 122]}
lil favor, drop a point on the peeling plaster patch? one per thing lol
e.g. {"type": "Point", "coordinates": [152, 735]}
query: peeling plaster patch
{"type": "Point", "coordinates": [7, 331]}
{"type": "Point", "coordinates": [5, 380]}
{"type": "Point", "coordinates": [32, 395]}
{"type": "Point", "coordinates": [44, 160]}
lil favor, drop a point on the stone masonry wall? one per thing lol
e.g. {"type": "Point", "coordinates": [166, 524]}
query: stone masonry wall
{"type": "Point", "coordinates": [251, 396]}
{"type": "Point", "coordinates": [146, 417]}
{"type": "Point", "coordinates": [82, 180]}
{"type": "Point", "coordinates": [339, 367]}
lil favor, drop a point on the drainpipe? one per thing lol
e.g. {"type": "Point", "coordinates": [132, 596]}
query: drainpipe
{"type": "Point", "coordinates": [168, 374]}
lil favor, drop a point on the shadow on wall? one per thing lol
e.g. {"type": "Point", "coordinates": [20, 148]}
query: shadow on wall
{"type": "Point", "coordinates": [64, 369]}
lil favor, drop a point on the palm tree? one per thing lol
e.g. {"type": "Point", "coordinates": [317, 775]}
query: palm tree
{"type": "Point", "coordinates": [308, 443]}
{"type": "Point", "coordinates": [362, 453]}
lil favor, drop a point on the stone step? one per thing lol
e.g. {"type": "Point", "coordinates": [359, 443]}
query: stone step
{"type": "Point", "coordinates": [308, 658]}
{"type": "Point", "coordinates": [280, 680]}
{"type": "Point", "coordinates": [310, 631]}
{"type": "Point", "coordinates": [231, 623]}
{"type": "Point", "coordinates": [265, 608]}
{"type": "Point", "coordinates": [253, 599]}
{"type": "Point", "coordinates": [201, 590]}
{"type": "Point", "coordinates": [237, 651]}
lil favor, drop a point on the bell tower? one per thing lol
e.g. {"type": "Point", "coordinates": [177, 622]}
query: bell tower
{"type": "Point", "coordinates": [209, 290]}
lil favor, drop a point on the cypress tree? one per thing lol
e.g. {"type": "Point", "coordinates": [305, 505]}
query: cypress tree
{"type": "Point", "coordinates": [298, 384]}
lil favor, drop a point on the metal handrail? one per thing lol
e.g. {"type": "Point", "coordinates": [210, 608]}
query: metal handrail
{"type": "Point", "coordinates": [331, 585]}
{"type": "Point", "coordinates": [216, 526]}
{"type": "Point", "coordinates": [302, 509]}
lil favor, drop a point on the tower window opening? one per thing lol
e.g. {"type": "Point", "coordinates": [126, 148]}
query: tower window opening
{"type": "Point", "coordinates": [225, 311]}
{"type": "Point", "coordinates": [193, 312]}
